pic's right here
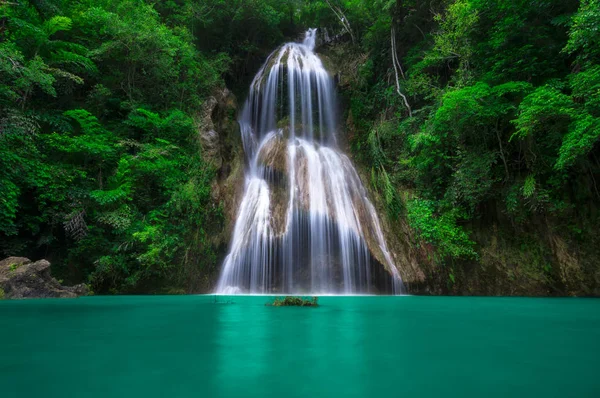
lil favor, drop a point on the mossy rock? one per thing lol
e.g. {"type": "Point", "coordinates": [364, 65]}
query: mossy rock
{"type": "Point", "coordinates": [291, 301]}
{"type": "Point", "coordinates": [273, 155]}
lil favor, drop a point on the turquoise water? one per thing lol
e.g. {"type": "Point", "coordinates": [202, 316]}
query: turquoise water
{"type": "Point", "coordinates": [348, 347]}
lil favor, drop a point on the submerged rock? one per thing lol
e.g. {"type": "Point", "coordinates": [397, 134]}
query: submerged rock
{"type": "Point", "coordinates": [21, 278]}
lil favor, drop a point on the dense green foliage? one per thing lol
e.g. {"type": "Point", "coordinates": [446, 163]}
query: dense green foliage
{"type": "Point", "coordinates": [468, 112]}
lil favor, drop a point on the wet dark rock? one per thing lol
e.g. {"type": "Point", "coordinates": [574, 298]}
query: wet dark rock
{"type": "Point", "coordinates": [21, 278]}
{"type": "Point", "coordinates": [218, 129]}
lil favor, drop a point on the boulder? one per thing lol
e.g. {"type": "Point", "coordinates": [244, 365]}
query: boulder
{"type": "Point", "coordinates": [21, 278]}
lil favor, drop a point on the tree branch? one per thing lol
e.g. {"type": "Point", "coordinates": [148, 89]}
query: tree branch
{"type": "Point", "coordinates": [342, 17]}
{"type": "Point", "coordinates": [502, 152]}
{"type": "Point", "coordinates": [397, 67]}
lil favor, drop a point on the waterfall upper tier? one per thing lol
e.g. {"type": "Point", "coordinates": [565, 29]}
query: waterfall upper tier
{"type": "Point", "coordinates": [305, 224]}
{"type": "Point", "coordinates": [292, 88]}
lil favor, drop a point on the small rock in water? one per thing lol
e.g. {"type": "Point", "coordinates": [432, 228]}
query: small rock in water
{"type": "Point", "coordinates": [291, 301]}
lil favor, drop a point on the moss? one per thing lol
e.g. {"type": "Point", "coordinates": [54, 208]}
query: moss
{"type": "Point", "coordinates": [291, 301]}
{"type": "Point", "coordinates": [2, 294]}
{"type": "Point", "coordinates": [13, 267]}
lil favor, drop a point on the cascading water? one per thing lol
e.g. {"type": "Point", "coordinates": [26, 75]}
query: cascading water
{"type": "Point", "coordinates": [305, 224]}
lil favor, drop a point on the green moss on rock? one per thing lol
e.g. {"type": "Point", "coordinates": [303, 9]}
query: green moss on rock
{"type": "Point", "coordinates": [291, 301]}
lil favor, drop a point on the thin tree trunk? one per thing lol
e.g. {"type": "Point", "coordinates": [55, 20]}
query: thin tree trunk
{"type": "Point", "coordinates": [342, 17]}
{"type": "Point", "coordinates": [594, 181]}
{"type": "Point", "coordinates": [397, 67]}
{"type": "Point", "coordinates": [502, 152]}
{"type": "Point", "coordinates": [395, 52]}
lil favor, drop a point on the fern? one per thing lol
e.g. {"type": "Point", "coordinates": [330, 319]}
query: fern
{"type": "Point", "coordinates": [26, 29]}
{"type": "Point", "coordinates": [64, 74]}
{"type": "Point", "coordinates": [119, 219]}
{"type": "Point", "coordinates": [583, 134]}
{"type": "Point", "coordinates": [57, 121]}
{"type": "Point", "coordinates": [88, 122]}
{"type": "Point", "coordinates": [36, 73]}
{"type": "Point", "coordinates": [75, 225]}
{"type": "Point", "coordinates": [57, 24]}
{"type": "Point", "coordinates": [388, 189]}
{"type": "Point", "coordinates": [62, 57]}
{"type": "Point", "coordinates": [120, 187]}
{"type": "Point", "coordinates": [19, 123]}
{"type": "Point", "coordinates": [375, 151]}
{"type": "Point", "coordinates": [529, 186]}
{"type": "Point", "coordinates": [374, 178]}
{"type": "Point", "coordinates": [108, 197]}
{"type": "Point", "coordinates": [537, 108]}
{"type": "Point", "coordinates": [144, 119]}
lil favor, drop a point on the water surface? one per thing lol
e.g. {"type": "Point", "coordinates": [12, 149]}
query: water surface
{"type": "Point", "coordinates": [191, 346]}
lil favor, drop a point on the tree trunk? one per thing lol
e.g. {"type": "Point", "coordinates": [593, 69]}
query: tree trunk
{"type": "Point", "coordinates": [397, 67]}
{"type": "Point", "coordinates": [342, 17]}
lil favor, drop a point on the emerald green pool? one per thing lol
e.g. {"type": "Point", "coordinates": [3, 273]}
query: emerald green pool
{"type": "Point", "coordinates": [190, 346]}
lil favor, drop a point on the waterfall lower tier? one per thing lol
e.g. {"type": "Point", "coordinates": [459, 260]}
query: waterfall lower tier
{"type": "Point", "coordinates": [305, 224]}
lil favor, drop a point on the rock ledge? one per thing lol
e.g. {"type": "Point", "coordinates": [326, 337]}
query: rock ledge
{"type": "Point", "coordinates": [21, 278]}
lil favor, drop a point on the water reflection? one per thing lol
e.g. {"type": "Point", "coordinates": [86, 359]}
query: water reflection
{"type": "Point", "coordinates": [320, 351]}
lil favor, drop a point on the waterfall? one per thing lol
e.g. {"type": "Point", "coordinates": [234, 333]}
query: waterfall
{"type": "Point", "coordinates": [305, 223]}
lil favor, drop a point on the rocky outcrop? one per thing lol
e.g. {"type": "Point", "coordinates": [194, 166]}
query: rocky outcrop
{"type": "Point", "coordinates": [21, 278]}
{"type": "Point", "coordinates": [273, 155]}
{"type": "Point", "coordinates": [219, 135]}
{"type": "Point", "coordinates": [218, 128]}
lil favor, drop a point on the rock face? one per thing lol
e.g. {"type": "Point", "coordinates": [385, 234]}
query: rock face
{"type": "Point", "coordinates": [21, 278]}
{"type": "Point", "coordinates": [219, 135]}
{"type": "Point", "coordinates": [218, 129]}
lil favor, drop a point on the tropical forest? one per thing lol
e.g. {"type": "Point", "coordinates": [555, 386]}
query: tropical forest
{"type": "Point", "coordinates": [473, 125]}
{"type": "Point", "coordinates": [299, 198]}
